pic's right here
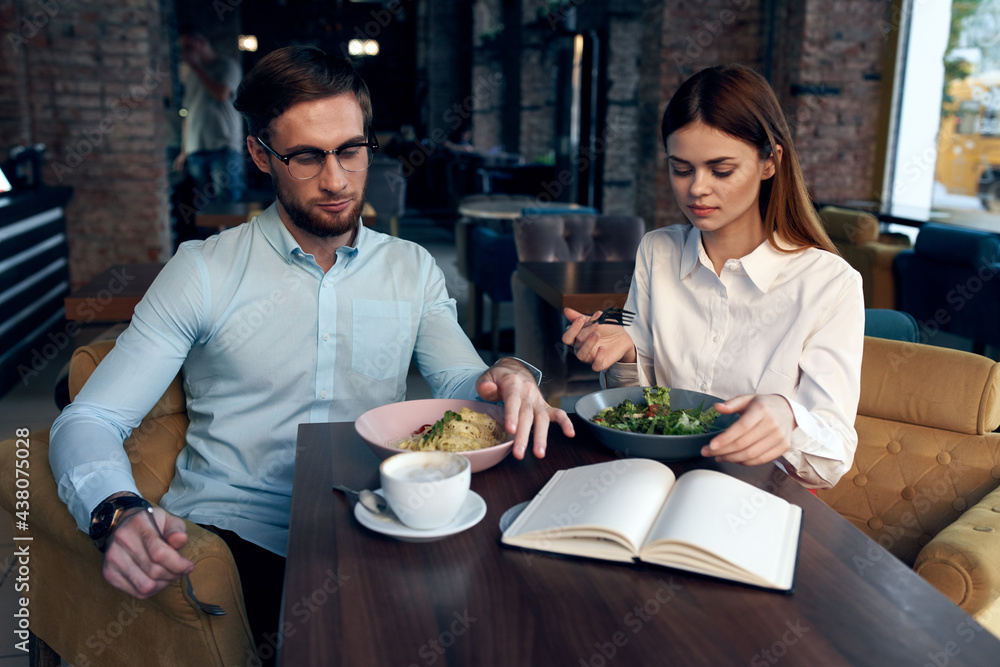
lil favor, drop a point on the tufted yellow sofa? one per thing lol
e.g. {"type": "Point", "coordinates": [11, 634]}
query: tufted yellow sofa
{"type": "Point", "coordinates": [925, 476]}
{"type": "Point", "coordinates": [858, 239]}
{"type": "Point", "coordinates": [73, 610]}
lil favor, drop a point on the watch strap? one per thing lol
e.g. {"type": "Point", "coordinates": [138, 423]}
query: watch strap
{"type": "Point", "coordinates": [116, 507]}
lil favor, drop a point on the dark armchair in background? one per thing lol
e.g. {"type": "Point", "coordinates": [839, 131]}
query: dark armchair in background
{"type": "Point", "coordinates": [950, 281]}
{"type": "Point", "coordinates": [537, 325]}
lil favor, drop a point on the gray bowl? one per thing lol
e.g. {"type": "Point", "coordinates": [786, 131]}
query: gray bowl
{"type": "Point", "coordinates": [642, 445]}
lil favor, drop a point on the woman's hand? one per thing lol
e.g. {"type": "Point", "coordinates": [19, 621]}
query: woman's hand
{"type": "Point", "coordinates": [599, 345]}
{"type": "Point", "coordinates": [761, 434]}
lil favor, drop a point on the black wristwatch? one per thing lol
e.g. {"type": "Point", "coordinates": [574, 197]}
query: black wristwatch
{"type": "Point", "coordinates": [108, 515]}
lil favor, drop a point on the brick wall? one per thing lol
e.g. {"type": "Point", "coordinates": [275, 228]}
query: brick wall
{"type": "Point", "coordinates": [622, 135]}
{"type": "Point", "coordinates": [487, 30]}
{"type": "Point", "coordinates": [824, 58]}
{"type": "Point", "coordinates": [832, 99]}
{"type": "Point", "coordinates": [15, 128]}
{"type": "Point", "coordinates": [696, 35]}
{"type": "Point", "coordinates": [95, 76]}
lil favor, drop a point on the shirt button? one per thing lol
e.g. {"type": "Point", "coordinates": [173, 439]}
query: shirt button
{"type": "Point", "coordinates": [722, 294]}
{"type": "Point", "coordinates": [322, 394]}
{"type": "Point", "coordinates": [704, 387]}
{"type": "Point", "coordinates": [715, 339]}
{"type": "Point", "coordinates": [326, 283]}
{"type": "Point", "coordinates": [326, 336]}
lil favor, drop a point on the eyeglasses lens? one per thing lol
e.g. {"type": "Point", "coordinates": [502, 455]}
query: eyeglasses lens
{"type": "Point", "coordinates": [308, 165]}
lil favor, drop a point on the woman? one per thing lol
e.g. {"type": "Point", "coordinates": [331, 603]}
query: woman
{"type": "Point", "coordinates": [751, 302]}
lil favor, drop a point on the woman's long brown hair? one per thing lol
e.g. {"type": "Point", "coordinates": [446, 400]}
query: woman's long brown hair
{"type": "Point", "coordinates": [739, 102]}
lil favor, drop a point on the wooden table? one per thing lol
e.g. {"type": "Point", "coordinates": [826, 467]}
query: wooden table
{"type": "Point", "coordinates": [355, 597]}
{"type": "Point", "coordinates": [112, 295]}
{"type": "Point", "coordinates": [583, 286]}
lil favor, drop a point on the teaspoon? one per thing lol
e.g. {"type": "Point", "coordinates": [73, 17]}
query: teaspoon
{"type": "Point", "coordinates": [371, 501]}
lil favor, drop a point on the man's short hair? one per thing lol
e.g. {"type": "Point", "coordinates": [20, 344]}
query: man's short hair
{"type": "Point", "coordinates": [294, 74]}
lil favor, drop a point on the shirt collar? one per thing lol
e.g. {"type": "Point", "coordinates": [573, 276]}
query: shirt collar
{"type": "Point", "coordinates": [762, 265]}
{"type": "Point", "coordinates": [284, 243]}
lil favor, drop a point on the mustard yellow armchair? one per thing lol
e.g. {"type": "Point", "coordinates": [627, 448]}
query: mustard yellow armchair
{"type": "Point", "coordinates": [72, 609]}
{"type": "Point", "coordinates": [857, 238]}
{"type": "Point", "coordinates": [925, 476]}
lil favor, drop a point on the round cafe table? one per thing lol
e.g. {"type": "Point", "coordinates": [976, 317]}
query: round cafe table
{"type": "Point", "coordinates": [507, 207]}
{"type": "Point", "coordinates": [498, 212]}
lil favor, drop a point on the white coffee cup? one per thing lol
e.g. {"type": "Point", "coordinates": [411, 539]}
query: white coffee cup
{"type": "Point", "coordinates": [426, 490]}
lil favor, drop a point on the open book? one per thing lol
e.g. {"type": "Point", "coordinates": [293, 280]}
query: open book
{"type": "Point", "coordinates": [636, 510]}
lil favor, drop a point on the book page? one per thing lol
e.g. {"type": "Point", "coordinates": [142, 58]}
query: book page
{"type": "Point", "coordinates": [617, 500]}
{"type": "Point", "coordinates": [716, 524]}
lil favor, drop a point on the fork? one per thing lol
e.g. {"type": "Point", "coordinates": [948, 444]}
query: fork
{"type": "Point", "coordinates": [615, 316]}
{"type": "Point", "coordinates": [210, 609]}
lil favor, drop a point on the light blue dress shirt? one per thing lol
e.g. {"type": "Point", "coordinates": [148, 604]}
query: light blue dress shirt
{"type": "Point", "coordinates": [265, 341]}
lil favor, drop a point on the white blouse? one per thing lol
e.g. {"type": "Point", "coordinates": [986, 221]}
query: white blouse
{"type": "Point", "coordinates": [773, 323]}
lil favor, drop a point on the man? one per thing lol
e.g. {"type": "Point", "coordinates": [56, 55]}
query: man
{"type": "Point", "coordinates": [301, 315]}
{"type": "Point", "coordinates": [212, 131]}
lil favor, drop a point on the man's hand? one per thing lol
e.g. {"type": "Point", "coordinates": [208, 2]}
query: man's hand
{"type": "Point", "coordinates": [600, 345]}
{"type": "Point", "coordinates": [138, 561]}
{"type": "Point", "coordinates": [509, 381]}
{"type": "Point", "coordinates": [761, 434]}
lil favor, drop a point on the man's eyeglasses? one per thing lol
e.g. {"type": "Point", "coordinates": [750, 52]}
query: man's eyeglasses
{"type": "Point", "coordinates": [303, 165]}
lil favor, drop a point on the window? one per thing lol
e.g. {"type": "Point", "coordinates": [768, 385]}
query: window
{"type": "Point", "coordinates": [945, 162]}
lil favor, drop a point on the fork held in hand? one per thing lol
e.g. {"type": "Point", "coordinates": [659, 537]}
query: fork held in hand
{"type": "Point", "coordinates": [210, 609]}
{"type": "Point", "coordinates": [616, 316]}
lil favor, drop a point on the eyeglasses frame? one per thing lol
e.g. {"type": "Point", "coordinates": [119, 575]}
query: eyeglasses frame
{"type": "Point", "coordinates": [373, 145]}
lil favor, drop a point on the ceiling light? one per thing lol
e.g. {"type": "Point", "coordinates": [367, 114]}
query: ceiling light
{"type": "Point", "coordinates": [247, 42]}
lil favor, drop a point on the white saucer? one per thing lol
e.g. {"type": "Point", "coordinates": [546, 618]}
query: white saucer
{"type": "Point", "coordinates": [472, 512]}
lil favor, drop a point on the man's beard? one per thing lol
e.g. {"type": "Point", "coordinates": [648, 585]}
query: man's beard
{"type": "Point", "coordinates": [312, 221]}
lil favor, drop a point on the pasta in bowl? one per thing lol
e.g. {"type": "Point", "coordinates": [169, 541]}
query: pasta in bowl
{"type": "Point", "coordinates": [477, 433]}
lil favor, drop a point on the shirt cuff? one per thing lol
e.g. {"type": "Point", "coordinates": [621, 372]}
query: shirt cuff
{"type": "Point", "coordinates": [534, 371]}
{"type": "Point", "coordinates": [621, 374]}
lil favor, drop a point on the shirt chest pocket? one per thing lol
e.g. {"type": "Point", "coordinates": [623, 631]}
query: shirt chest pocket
{"type": "Point", "coordinates": [381, 338]}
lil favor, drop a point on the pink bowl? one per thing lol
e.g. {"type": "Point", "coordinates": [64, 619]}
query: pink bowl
{"type": "Point", "coordinates": [393, 422]}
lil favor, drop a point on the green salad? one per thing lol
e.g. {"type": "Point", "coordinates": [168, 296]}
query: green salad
{"type": "Point", "coordinates": [655, 417]}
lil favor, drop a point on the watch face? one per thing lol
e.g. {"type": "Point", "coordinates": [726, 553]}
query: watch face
{"type": "Point", "coordinates": [107, 515]}
{"type": "Point", "coordinates": [101, 523]}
